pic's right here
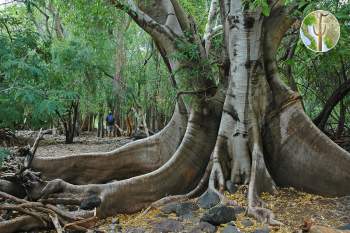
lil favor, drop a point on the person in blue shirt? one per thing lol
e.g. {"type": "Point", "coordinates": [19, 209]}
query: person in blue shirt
{"type": "Point", "coordinates": [110, 124]}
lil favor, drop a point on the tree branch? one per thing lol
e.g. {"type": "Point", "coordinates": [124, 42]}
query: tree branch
{"type": "Point", "coordinates": [47, 17]}
{"type": "Point", "coordinates": [198, 92]}
{"type": "Point", "coordinates": [276, 25]}
{"type": "Point", "coordinates": [181, 16]}
{"type": "Point", "coordinates": [7, 30]}
{"type": "Point", "coordinates": [164, 35]}
{"type": "Point", "coordinates": [210, 26]}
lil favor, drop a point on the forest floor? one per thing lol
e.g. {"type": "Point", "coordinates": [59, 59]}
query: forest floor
{"type": "Point", "coordinates": [291, 207]}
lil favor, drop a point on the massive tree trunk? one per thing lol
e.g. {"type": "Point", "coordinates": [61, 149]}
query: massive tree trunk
{"type": "Point", "coordinates": [252, 125]}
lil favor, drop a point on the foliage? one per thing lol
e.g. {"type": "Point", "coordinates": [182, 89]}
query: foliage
{"type": "Point", "coordinates": [41, 73]}
{"type": "Point", "coordinates": [310, 20]}
{"type": "Point", "coordinates": [196, 9]}
{"type": "Point", "coordinates": [3, 154]}
{"type": "Point", "coordinates": [264, 6]}
{"type": "Point", "coordinates": [317, 75]}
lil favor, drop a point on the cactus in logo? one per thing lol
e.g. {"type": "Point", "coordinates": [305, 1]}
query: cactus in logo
{"type": "Point", "coordinates": [321, 31]}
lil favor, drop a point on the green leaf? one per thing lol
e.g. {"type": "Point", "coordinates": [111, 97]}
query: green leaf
{"type": "Point", "coordinates": [265, 8]}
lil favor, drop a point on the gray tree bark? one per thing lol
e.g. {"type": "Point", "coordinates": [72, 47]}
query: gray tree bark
{"type": "Point", "coordinates": [252, 125]}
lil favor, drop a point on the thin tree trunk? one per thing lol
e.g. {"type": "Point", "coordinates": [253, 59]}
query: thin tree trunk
{"type": "Point", "coordinates": [332, 101]}
{"type": "Point", "coordinates": [99, 127]}
{"type": "Point", "coordinates": [341, 123]}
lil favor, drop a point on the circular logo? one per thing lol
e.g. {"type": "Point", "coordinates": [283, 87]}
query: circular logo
{"type": "Point", "coordinates": [320, 31]}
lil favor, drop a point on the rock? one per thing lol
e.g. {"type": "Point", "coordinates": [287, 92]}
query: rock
{"type": "Point", "coordinates": [168, 225]}
{"type": "Point", "coordinates": [135, 230]}
{"type": "Point", "coordinates": [345, 227]}
{"type": "Point", "coordinates": [231, 187]}
{"type": "Point", "coordinates": [203, 227]}
{"type": "Point", "coordinates": [186, 208]}
{"type": "Point", "coordinates": [323, 229]}
{"type": "Point", "coordinates": [183, 209]}
{"type": "Point", "coordinates": [230, 229]}
{"type": "Point", "coordinates": [90, 202]}
{"type": "Point", "coordinates": [219, 215]}
{"type": "Point", "coordinates": [208, 200]}
{"type": "Point", "coordinates": [262, 230]}
{"type": "Point", "coordinates": [247, 222]}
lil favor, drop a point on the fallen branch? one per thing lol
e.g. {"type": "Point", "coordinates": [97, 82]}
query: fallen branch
{"type": "Point", "coordinates": [85, 223]}
{"type": "Point", "coordinates": [22, 210]}
{"type": "Point", "coordinates": [30, 156]}
{"type": "Point", "coordinates": [56, 223]}
{"type": "Point", "coordinates": [13, 198]}
{"type": "Point", "coordinates": [43, 215]}
{"type": "Point", "coordinates": [22, 223]}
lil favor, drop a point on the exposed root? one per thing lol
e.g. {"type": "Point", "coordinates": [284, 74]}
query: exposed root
{"type": "Point", "coordinates": [302, 156]}
{"type": "Point", "coordinates": [130, 160]}
{"type": "Point", "coordinates": [195, 192]}
{"type": "Point", "coordinates": [263, 215]}
{"type": "Point", "coordinates": [217, 179]}
{"type": "Point", "coordinates": [182, 172]}
{"type": "Point", "coordinates": [84, 223]}
{"type": "Point", "coordinates": [178, 198]}
{"type": "Point", "coordinates": [260, 180]}
{"type": "Point", "coordinates": [241, 162]}
{"type": "Point", "coordinates": [61, 201]}
{"type": "Point", "coordinates": [22, 223]}
{"type": "Point", "coordinates": [36, 215]}
{"type": "Point", "coordinates": [256, 207]}
{"type": "Point", "coordinates": [217, 176]}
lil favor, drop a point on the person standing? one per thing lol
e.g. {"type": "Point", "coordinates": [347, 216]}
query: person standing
{"type": "Point", "coordinates": [110, 124]}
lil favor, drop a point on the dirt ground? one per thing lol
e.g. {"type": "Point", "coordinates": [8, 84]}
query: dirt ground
{"type": "Point", "coordinates": [290, 207]}
{"type": "Point", "coordinates": [86, 143]}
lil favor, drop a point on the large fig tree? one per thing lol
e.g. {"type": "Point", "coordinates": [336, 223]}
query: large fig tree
{"type": "Point", "coordinates": [237, 123]}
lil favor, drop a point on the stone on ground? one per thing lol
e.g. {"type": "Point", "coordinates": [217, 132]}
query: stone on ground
{"type": "Point", "coordinates": [219, 215]}
{"type": "Point", "coordinates": [183, 209]}
{"type": "Point", "coordinates": [208, 199]}
{"type": "Point", "coordinates": [231, 187]}
{"type": "Point", "coordinates": [203, 227]}
{"type": "Point", "coordinates": [135, 230]}
{"type": "Point", "coordinates": [262, 230]}
{"type": "Point", "coordinates": [167, 225]}
{"type": "Point", "coordinates": [230, 229]}
{"type": "Point", "coordinates": [247, 222]}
